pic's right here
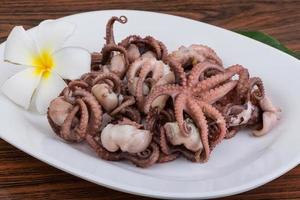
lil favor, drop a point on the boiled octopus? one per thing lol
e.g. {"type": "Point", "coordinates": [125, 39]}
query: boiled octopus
{"type": "Point", "coordinates": [144, 105]}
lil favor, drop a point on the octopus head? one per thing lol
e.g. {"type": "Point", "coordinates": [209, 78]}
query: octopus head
{"type": "Point", "coordinates": [191, 142]}
{"type": "Point", "coordinates": [105, 96]}
{"type": "Point", "coordinates": [59, 110]}
{"type": "Point", "coordinates": [127, 138]}
{"type": "Point", "coordinates": [118, 65]}
{"type": "Point", "coordinates": [271, 116]}
{"type": "Point", "coordinates": [133, 53]}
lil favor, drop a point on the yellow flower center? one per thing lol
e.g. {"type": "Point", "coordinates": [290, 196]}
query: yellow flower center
{"type": "Point", "coordinates": [44, 64]}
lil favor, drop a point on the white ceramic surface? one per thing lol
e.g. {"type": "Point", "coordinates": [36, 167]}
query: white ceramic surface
{"type": "Point", "coordinates": [235, 166]}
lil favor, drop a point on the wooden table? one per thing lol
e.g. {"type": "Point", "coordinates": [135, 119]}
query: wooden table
{"type": "Point", "coordinates": [24, 177]}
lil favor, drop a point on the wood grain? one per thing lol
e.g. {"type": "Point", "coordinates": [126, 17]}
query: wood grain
{"type": "Point", "coordinates": [23, 177]}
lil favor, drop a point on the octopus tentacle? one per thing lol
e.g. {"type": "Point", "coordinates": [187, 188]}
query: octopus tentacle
{"type": "Point", "coordinates": [178, 71]}
{"type": "Point", "coordinates": [67, 94]}
{"type": "Point", "coordinates": [199, 69]}
{"type": "Point", "coordinates": [155, 45]}
{"type": "Point", "coordinates": [216, 79]}
{"type": "Point", "coordinates": [95, 110]}
{"type": "Point", "coordinates": [156, 118]}
{"type": "Point", "coordinates": [215, 94]}
{"type": "Point", "coordinates": [131, 113]}
{"type": "Point", "coordinates": [163, 158]}
{"type": "Point", "coordinates": [84, 118]}
{"type": "Point", "coordinates": [69, 134]}
{"type": "Point", "coordinates": [140, 161]}
{"type": "Point", "coordinates": [208, 52]}
{"type": "Point", "coordinates": [213, 113]}
{"type": "Point", "coordinates": [199, 119]}
{"type": "Point", "coordinates": [89, 77]}
{"type": "Point", "coordinates": [109, 76]}
{"type": "Point", "coordinates": [78, 83]}
{"type": "Point", "coordinates": [164, 52]}
{"type": "Point", "coordinates": [170, 90]}
{"type": "Point", "coordinates": [157, 73]}
{"type": "Point", "coordinates": [95, 143]}
{"type": "Point", "coordinates": [147, 43]}
{"type": "Point", "coordinates": [243, 83]}
{"type": "Point", "coordinates": [144, 161]}
{"type": "Point", "coordinates": [106, 53]}
{"type": "Point", "coordinates": [129, 40]}
{"type": "Point", "coordinates": [260, 94]}
{"type": "Point", "coordinates": [110, 39]}
{"type": "Point", "coordinates": [128, 101]}
{"type": "Point", "coordinates": [163, 141]}
{"type": "Point", "coordinates": [134, 68]}
{"type": "Point", "coordinates": [179, 108]}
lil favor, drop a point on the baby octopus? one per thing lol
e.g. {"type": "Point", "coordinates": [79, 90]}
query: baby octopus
{"type": "Point", "coordinates": [143, 105]}
{"type": "Point", "coordinates": [75, 113]}
{"type": "Point", "coordinates": [195, 97]}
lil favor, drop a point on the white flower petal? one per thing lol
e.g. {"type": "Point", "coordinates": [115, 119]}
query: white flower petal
{"type": "Point", "coordinates": [72, 62]}
{"type": "Point", "coordinates": [20, 87]}
{"type": "Point", "coordinates": [48, 89]}
{"type": "Point", "coordinates": [19, 47]}
{"type": "Point", "coordinates": [51, 34]}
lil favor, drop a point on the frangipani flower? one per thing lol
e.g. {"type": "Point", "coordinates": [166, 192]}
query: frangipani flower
{"type": "Point", "coordinates": [47, 63]}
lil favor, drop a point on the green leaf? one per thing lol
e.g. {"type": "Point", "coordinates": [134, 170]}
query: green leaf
{"type": "Point", "coordinates": [269, 40]}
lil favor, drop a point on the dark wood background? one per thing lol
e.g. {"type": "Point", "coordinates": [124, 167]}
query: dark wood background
{"type": "Point", "coordinates": [24, 177]}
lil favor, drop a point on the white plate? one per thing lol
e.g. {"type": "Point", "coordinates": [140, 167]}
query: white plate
{"type": "Point", "coordinates": [235, 166]}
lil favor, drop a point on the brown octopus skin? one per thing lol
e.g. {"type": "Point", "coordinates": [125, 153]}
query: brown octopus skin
{"type": "Point", "coordinates": [110, 39]}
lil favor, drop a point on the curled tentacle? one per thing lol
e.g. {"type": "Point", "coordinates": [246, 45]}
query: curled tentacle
{"type": "Point", "coordinates": [95, 116]}
{"type": "Point", "coordinates": [260, 92]}
{"type": "Point", "coordinates": [78, 84]}
{"type": "Point", "coordinates": [146, 44]}
{"type": "Point", "coordinates": [157, 73]}
{"type": "Point", "coordinates": [143, 160]}
{"type": "Point", "coordinates": [89, 77]}
{"type": "Point", "coordinates": [103, 77]}
{"type": "Point", "coordinates": [219, 120]}
{"type": "Point", "coordinates": [198, 71]}
{"type": "Point", "coordinates": [110, 39]}
{"type": "Point", "coordinates": [109, 48]}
